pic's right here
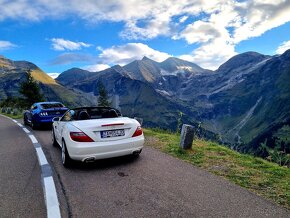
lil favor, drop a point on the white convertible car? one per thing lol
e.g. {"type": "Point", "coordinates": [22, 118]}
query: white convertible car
{"type": "Point", "coordinates": [90, 133]}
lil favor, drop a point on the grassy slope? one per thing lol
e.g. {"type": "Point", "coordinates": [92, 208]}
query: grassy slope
{"type": "Point", "coordinates": [260, 176]}
{"type": "Point", "coordinates": [56, 92]}
{"type": "Point", "coordinates": [18, 116]}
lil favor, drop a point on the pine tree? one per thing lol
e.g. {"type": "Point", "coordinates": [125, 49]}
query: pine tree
{"type": "Point", "coordinates": [30, 90]}
{"type": "Point", "coordinates": [103, 96]}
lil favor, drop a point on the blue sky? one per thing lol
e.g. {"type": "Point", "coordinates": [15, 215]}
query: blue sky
{"type": "Point", "coordinates": [57, 35]}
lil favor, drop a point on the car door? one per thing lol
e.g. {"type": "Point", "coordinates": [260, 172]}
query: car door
{"type": "Point", "coordinates": [31, 112]}
{"type": "Point", "coordinates": [67, 117]}
{"type": "Point", "coordinates": [56, 129]}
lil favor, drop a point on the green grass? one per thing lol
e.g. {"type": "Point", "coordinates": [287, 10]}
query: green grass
{"type": "Point", "coordinates": [18, 116]}
{"type": "Point", "coordinates": [257, 175]}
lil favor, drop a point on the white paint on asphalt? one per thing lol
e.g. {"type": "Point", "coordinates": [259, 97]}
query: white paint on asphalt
{"type": "Point", "coordinates": [26, 130]}
{"type": "Point", "coordinates": [51, 198]}
{"type": "Point", "coordinates": [33, 139]}
{"type": "Point", "coordinates": [41, 157]}
{"type": "Point", "coordinates": [50, 194]}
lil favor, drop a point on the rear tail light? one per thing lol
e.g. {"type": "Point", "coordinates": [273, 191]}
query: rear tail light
{"type": "Point", "coordinates": [138, 132]}
{"type": "Point", "coordinates": [80, 137]}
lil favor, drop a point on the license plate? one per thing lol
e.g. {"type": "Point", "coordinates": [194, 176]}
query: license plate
{"type": "Point", "coordinates": [112, 133]}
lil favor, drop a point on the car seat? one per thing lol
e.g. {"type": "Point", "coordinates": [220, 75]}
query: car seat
{"type": "Point", "coordinates": [83, 115]}
{"type": "Point", "coordinates": [110, 114]}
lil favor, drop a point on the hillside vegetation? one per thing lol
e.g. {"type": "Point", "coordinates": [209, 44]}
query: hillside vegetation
{"type": "Point", "coordinates": [257, 175]}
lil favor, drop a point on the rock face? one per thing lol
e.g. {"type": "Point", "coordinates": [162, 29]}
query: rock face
{"type": "Point", "coordinates": [245, 101]}
{"type": "Point", "coordinates": [242, 101]}
{"type": "Point", "coordinates": [186, 137]}
{"type": "Point", "coordinates": [73, 75]}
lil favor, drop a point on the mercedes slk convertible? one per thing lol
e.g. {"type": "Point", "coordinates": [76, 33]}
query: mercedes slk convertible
{"type": "Point", "coordinates": [90, 133]}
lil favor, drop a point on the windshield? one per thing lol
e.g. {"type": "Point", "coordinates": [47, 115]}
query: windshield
{"type": "Point", "coordinates": [51, 105]}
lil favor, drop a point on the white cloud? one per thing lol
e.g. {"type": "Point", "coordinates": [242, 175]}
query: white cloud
{"type": "Point", "coordinates": [283, 47]}
{"type": "Point", "coordinates": [257, 17]}
{"type": "Point", "coordinates": [124, 54]}
{"type": "Point", "coordinates": [199, 32]}
{"type": "Point", "coordinates": [183, 19]}
{"type": "Point", "coordinates": [60, 44]}
{"type": "Point", "coordinates": [227, 22]}
{"type": "Point", "coordinates": [96, 67]}
{"type": "Point", "coordinates": [4, 45]}
{"type": "Point", "coordinates": [68, 58]}
{"type": "Point", "coordinates": [53, 75]}
{"type": "Point", "coordinates": [232, 22]}
{"type": "Point", "coordinates": [211, 55]}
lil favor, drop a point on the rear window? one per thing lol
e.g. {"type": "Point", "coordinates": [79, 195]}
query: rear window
{"type": "Point", "coordinates": [52, 105]}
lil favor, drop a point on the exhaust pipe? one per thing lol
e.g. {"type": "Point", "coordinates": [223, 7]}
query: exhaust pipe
{"type": "Point", "coordinates": [89, 159]}
{"type": "Point", "coordinates": [137, 152]}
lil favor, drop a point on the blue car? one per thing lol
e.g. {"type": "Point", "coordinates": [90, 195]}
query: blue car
{"type": "Point", "coordinates": [42, 113]}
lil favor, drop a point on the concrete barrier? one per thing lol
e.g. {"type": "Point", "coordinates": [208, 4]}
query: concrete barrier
{"type": "Point", "coordinates": [186, 137]}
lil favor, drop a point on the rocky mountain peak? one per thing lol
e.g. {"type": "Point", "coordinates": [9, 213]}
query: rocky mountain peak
{"type": "Point", "coordinates": [73, 74]}
{"type": "Point", "coordinates": [146, 58]}
{"type": "Point", "coordinates": [286, 54]}
{"type": "Point", "coordinates": [173, 64]}
{"type": "Point", "coordinates": [243, 59]}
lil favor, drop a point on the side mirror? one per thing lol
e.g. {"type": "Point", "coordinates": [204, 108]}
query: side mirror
{"type": "Point", "coordinates": [55, 119]}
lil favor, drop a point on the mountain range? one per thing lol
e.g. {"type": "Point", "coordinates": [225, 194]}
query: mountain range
{"type": "Point", "coordinates": [243, 102]}
{"type": "Point", "coordinates": [12, 73]}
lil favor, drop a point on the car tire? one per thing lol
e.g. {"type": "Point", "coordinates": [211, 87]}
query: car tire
{"type": "Point", "coordinates": [54, 142]}
{"type": "Point", "coordinates": [25, 120]}
{"type": "Point", "coordinates": [33, 125]}
{"type": "Point", "coordinates": [65, 158]}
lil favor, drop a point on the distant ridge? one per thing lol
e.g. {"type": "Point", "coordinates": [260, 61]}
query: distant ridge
{"type": "Point", "coordinates": [245, 101]}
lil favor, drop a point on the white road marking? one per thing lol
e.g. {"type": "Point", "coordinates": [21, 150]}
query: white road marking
{"type": "Point", "coordinates": [33, 139]}
{"type": "Point", "coordinates": [50, 194]}
{"type": "Point", "coordinates": [41, 157]}
{"type": "Point", "coordinates": [51, 198]}
{"type": "Point", "coordinates": [26, 130]}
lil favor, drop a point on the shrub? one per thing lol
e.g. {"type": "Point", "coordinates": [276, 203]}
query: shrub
{"type": "Point", "coordinates": [8, 111]}
{"type": "Point", "coordinates": [15, 112]}
{"type": "Point", "coordinates": [277, 154]}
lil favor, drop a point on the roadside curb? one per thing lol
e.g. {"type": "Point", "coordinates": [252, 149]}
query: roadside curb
{"type": "Point", "coordinates": [48, 185]}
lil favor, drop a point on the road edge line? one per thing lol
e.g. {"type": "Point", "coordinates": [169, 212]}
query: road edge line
{"type": "Point", "coordinates": [48, 185]}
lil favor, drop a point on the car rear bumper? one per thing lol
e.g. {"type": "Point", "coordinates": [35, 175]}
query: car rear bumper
{"type": "Point", "coordinates": [102, 150]}
{"type": "Point", "coordinates": [45, 120]}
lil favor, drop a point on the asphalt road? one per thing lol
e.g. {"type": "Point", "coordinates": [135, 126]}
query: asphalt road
{"type": "Point", "coordinates": [154, 185]}
{"type": "Point", "coordinates": [21, 192]}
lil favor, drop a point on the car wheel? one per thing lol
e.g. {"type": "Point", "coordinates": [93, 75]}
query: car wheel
{"type": "Point", "coordinates": [25, 120]}
{"type": "Point", "coordinates": [33, 125]}
{"type": "Point", "coordinates": [66, 160]}
{"type": "Point", "coordinates": [54, 142]}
